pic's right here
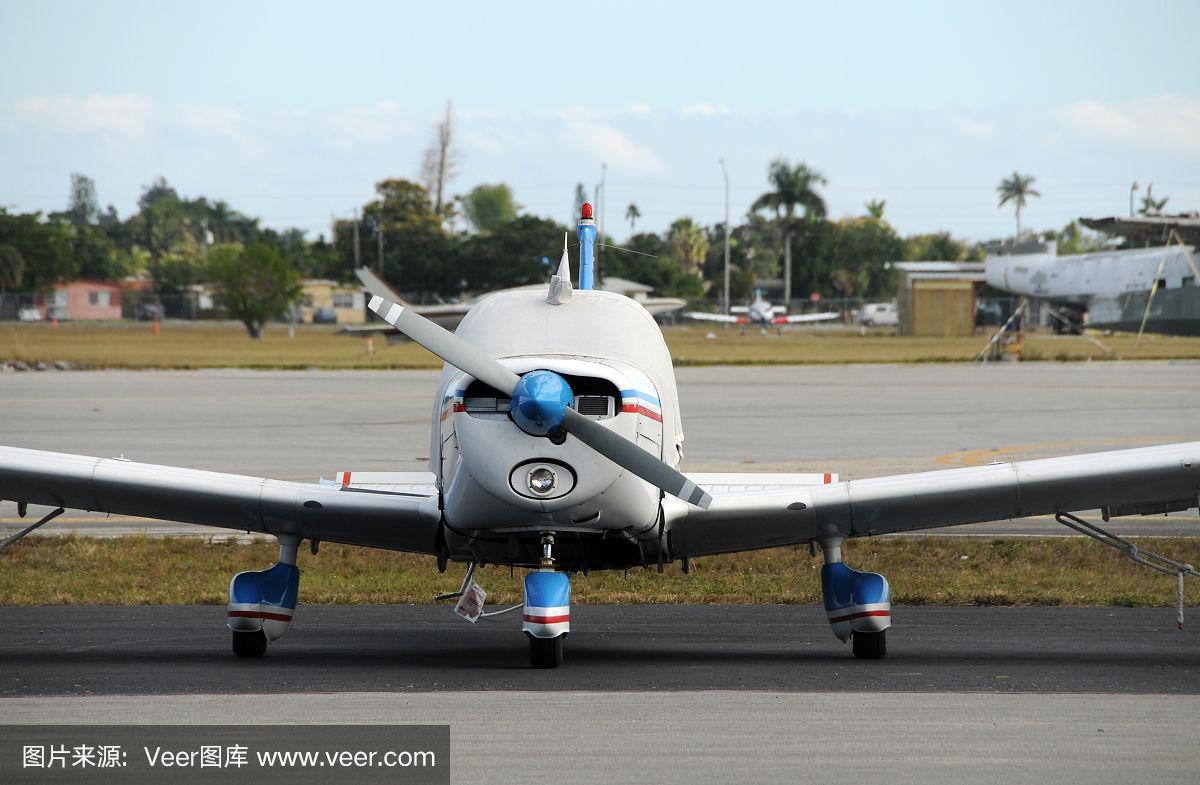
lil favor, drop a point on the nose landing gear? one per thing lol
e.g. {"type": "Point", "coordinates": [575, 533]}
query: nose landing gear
{"type": "Point", "coordinates": [546, 620]}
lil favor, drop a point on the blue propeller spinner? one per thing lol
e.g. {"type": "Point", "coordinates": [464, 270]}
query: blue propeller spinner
{"type": "Point", "coordinates": [539, 402]}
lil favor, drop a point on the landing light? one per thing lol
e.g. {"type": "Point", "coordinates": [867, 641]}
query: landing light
{"type": "Point", "coordinates": [542, 480]}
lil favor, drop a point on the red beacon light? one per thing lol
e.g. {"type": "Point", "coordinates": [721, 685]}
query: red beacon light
{"type": "Point", "coordinates": [587, 210]}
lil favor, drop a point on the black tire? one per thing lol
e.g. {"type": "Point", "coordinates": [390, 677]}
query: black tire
{"type": "Point", "coordinates": [870, 645]}
{"type": "Point", "coordinates": [546, 652]}
{"type": "Point", "coordinates": [250, 644]}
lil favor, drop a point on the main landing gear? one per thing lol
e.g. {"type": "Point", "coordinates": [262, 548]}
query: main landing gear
{"type": "Point", "coordinates": [857, 604]}
{"type": "Point", "coordinates": [261, 604]}
{"type": "Point", "coordinates": [546, 620]}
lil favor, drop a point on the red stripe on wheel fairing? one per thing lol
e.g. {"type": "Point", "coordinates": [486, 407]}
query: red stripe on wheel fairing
{"type": "Point", "coordinates": [859, 615]}
{"type": "Point", "coordinates": [260, 615]}
{"type": "Point", "coordinates": [546, 619]}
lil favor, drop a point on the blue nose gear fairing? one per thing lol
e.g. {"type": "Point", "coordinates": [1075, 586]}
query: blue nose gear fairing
{"type": "Point", "coordinates": [539, 402]}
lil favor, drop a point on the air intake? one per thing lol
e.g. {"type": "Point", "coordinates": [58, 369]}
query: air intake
{"type": "Point", "coordinates": [594, 405]}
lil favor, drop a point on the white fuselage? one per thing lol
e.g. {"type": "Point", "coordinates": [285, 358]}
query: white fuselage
{"type": "Point", "coordinates": [611, 351]}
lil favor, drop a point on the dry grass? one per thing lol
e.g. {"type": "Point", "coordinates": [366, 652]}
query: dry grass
{"type": "Point", "coordinates": [224, 345]}
{"type": "Point", "coordinates": [941, 570]}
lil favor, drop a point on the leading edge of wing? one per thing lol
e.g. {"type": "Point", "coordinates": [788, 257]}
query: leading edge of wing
{"type": "Point", "coordinates": [231, 501]}
{"type": "Point", "coordinates": [1123, 482]}
{"type": "Point", "coordinates": [714, 317]}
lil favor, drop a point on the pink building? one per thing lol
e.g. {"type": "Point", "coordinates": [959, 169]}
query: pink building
{"type": "Point", "coordinates": [78, 300]}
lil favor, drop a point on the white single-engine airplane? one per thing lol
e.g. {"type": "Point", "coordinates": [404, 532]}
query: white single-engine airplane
{"type": "Point", "coordinates": [762, 313]}
{"type": "Point", "coordinates": [556, 445]}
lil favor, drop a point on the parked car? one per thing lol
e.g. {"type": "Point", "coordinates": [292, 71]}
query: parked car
{"type": "Point", "coordinates": [29, 313]}
{"type": "Point", "coordinates": [879, 314]}
{"type": "Point", "coordinates": [148, 312]}
{"type": "Point", "coordinates": [324, 316]}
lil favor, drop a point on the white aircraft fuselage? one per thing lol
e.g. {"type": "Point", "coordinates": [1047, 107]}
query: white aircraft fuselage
{"type": "Point", "coordinates": [612, 353]}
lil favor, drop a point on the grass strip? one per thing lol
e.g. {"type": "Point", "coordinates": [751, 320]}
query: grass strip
{"type": "Point", "coordinates": [222, 345]}
{"type": "Point", "coordinates": [74, 570]}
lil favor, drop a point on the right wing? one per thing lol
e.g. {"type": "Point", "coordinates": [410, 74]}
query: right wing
{"type": "Point", "coordinates": [805, 318]}
{"type": "Point", "coordinates": [1144, 481]}
{"type": "Point", "coordinates": [715, 317]}
{"type": "Point", "coordinates": [398, 520]}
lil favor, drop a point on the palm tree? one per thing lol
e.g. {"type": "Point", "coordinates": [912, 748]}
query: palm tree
{"type": "Point", "coordinates": [875, 208]}
{"type": "Point", "coordinates": [1014, 189]}
{"type": "Point", "coordinates": [1150, 205]}
{"type": "Point", "coordinates": [794, 186]}
{"type": "Point", "coordinates": [632, 213]}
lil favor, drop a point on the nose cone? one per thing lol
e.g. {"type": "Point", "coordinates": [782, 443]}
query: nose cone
{"type": "Point", "coordinates": [539, 402]}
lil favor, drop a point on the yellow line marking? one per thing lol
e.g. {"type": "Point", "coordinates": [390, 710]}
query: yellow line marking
{"type": "Point", "coordinates": [985, 456]}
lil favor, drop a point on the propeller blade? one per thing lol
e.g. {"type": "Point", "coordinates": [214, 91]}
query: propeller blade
{"type": "Point", "coordinates": [633, 459]}
{"type": "Point", "coordinates": [446, 345]}
{"type": "Point", "coordinates": [466, 357]}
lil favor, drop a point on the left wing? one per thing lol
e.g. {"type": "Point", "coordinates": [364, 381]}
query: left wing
{"type": "Point", "coordinates": [715, 317]}
{"type": "Point", "coordinates": [825, 316]}
{"type": "Point", "coordinates": [1143, 481]}
{"type": "Point", "coordinates": [404, 520]}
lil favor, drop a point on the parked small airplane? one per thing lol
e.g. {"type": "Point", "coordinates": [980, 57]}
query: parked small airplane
{"type": "Point", "coordinates": [763, 314]}
{"type": "Point", "coordinates": [556, 445]}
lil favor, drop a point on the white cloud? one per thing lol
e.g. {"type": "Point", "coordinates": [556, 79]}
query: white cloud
{"type": "Point", "coordinates": [614, 147]}
{"type": "Point", "coordinates": [704, 110]}
{"type": "Point", "coordinates": [1165, 122]}
{"type": "Point", "coordinates": [376, 123]}
{"type": "Point", "coordinates": [202, 119]}
{"type": "Point", "coordinates": [637, 109]}
{"type": "Point", "coordinates": [128, 114]}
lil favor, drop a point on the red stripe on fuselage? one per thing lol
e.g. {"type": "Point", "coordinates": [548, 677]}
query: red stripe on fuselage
{"type": "Point", "coordinates": [828, 478]}
{"type": "Point", "coordinates": [345, 479]}
{"type": "Point", "coordinates": [260, 615]}
{"type": "Point", "coordinates": [546, 619]}
{"type": "Point", "coordinates": [859, 615]}
{"type": "Point", "coordinates": [642, 410]}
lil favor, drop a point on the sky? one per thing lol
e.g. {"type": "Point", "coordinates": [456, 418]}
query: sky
{"type": "Point", "coordinates": [292, 111]}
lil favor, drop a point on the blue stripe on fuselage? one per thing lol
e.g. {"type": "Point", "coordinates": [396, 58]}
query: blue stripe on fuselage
{"type": "Point", "coordinates": [639, 394]}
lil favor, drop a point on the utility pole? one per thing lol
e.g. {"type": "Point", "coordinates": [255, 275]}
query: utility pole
{"type": "Point", "coordinates": [725, 173]}
{"type": "Point", "coordinates": [379, 241]}
{"type": "Point", "coordinates": [357, 244]}
{"type": "Point", "coordinates": [601, 193]}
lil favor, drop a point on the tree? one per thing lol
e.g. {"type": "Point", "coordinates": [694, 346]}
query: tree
{"type": "Point", "coordinates": [632, 214]}
{"type": "Point", "coordinates": [1150, 205]}
{"type": "Point", "coordinates": [254, 283]}
{"type": "Point", "coordinates": [44, 246]}
{"type": "Point", "coordinates": [12, 267]}
{"type": "Point", "coordinates": [511, 255]}
{"type": "Point", "coordinates": [82, 207]}
{"type": "Point", "coordinates": [1016, 189]}
{"type": "Point", "coordinates": [440, 163]}
{"type": "Point", "coordinates": [1075, 239]}
{"type": "Point", "coordinates": [156, 192]}
{"type": "Point", "coordinates": [936, 247]}
{"type": "Point", "coordinates": [875, 208]}
{"type": "Point", "coordinates": [794, 186]}
{"type": "Point", "coordinates": [488, 207]}
{"type": "Point", "coordinates": [689, 244]}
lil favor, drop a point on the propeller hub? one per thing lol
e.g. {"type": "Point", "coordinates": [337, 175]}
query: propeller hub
{"type": "Point", "coordinates": [539, 402]}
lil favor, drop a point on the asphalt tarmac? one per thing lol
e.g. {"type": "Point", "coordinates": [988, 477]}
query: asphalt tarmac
{"type": "Point", "coordinates": [656, 648]}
